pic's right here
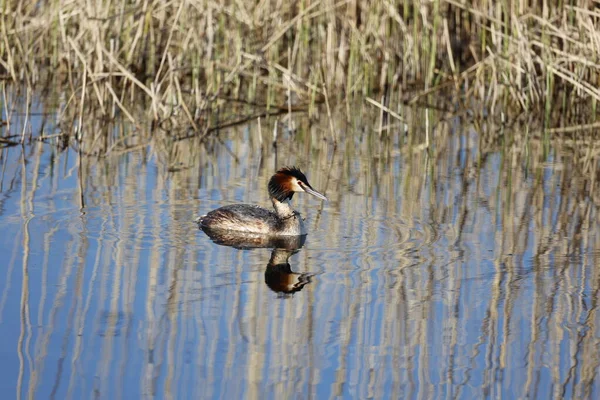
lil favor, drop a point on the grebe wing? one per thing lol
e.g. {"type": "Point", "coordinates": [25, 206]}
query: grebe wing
{"type": "Point", "coordinates": [240, 217]}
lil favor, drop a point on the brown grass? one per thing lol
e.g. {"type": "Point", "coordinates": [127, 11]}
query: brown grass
{"type": "Point", "coordinates": [196, 66]}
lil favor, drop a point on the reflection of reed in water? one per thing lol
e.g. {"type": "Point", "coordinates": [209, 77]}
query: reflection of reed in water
{"type": "Point", "coordinates": [501, 291]}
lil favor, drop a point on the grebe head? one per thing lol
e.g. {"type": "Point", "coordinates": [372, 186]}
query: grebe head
{"type": "Point", "coordinates": [289, 180]}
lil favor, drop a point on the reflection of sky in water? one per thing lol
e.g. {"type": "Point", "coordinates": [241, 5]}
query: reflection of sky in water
{"type": "Point", "coordinates": [426, 283]}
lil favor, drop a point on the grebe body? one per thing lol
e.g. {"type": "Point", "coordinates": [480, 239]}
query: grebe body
{"type": "Point", "coordinates": [282, 221]}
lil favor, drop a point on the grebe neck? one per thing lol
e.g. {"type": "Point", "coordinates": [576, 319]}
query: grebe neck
{"type": "Point", "coordinates": [283, 208]}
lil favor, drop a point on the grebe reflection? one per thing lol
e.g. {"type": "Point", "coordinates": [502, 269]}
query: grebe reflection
{"type": "Point", "coordinates": [279, 276]}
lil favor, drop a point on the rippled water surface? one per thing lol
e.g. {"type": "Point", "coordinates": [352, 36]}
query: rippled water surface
{"type": "Point", "coordinates": [467, 272]}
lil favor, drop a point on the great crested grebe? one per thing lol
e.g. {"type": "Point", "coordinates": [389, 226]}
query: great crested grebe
{"type": "Point", "coordinates": [254, 219]}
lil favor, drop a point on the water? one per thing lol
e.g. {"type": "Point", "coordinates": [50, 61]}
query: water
{"type": "Point", "coordinates": [469, 273]}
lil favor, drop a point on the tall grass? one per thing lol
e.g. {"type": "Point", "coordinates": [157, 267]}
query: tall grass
{"type": "Point", "coordinates": [201, 64]}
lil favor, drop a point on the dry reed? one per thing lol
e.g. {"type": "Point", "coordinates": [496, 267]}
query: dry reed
{"type": "Point", "coordinates": [199, 65]}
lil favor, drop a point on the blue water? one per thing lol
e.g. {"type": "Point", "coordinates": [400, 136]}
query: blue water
{"type": "Point", "coordinates": [460, 275]}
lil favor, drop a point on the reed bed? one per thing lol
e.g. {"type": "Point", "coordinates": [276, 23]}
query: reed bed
{"type": "Point", "coordinates": [195, 66]}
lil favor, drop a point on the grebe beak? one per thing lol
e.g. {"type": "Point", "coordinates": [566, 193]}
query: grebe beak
{"type": "Point", "coordinates": [312, 191]}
